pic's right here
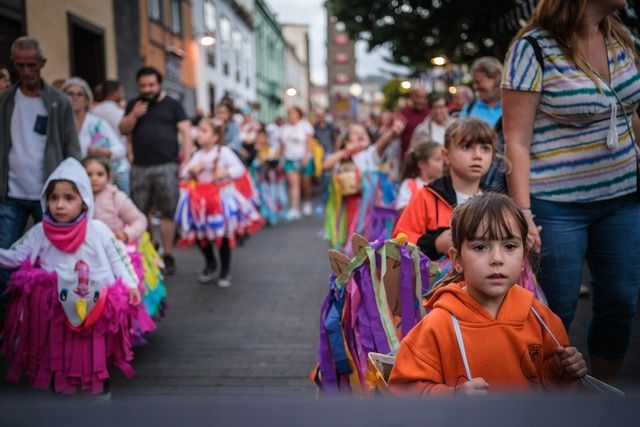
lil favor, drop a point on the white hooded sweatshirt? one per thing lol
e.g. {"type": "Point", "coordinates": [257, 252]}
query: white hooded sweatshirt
{"type": "Point", "coordinates": [106, 256]}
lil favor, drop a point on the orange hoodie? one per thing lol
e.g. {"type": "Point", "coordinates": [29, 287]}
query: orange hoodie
{"type": "Point", "coordinates": [511, 352]}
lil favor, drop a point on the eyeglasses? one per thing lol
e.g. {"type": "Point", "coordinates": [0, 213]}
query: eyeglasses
{"type": "Point", "coordinates": [75, 94]}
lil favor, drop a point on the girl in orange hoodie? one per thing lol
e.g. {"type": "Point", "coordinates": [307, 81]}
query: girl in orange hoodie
{"type": "Point", "coordinates": [483, 333]}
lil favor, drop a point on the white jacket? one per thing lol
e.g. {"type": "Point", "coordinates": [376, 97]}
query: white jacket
{"type": "Point", "coordinates": [106, 256]}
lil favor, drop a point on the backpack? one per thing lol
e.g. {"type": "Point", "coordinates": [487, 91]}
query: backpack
{"type": "Point", "coordinates": [495, 178]}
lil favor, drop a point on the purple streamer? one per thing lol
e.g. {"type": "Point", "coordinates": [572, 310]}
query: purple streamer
{"type": "Point", "coordinates": [368, 296]}
{"type": "Point", "coordinates": [407, 292]}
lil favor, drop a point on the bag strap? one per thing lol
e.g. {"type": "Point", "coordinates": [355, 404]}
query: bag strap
{"type": "Point", "coordinates": [470, 107]}
{"type": "Point", "coordinates": [463, 353]}
{"type": "Point", "coordinates": [536, 49]}
{"type": "Point", "coordinates": [587, 381]}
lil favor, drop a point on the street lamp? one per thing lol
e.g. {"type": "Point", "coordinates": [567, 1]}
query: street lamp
{"type": "Point", "coordinates": [292, 91]}
{"type": "Point", "coordinates": [406, 85]}
{"type": "Point", "coordinates": [453, 90]}
{"type": "Point", "coordinates": [439, 61]}
{"type": "Point", "coordinates": [207, 39]}
{"type": "Point", "coordinates": [355, 90]}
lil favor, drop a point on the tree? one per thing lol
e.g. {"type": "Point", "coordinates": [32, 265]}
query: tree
{"type": "Point", "coordinates": [393, 91]}
{"type": "Point", "coordinates": [417, 30]}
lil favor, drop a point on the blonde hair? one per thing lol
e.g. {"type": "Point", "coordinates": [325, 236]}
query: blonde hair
{"type": "Point", "coordinates": [563, 19]}
{"type": "Point", "coordinates": [491, 214]}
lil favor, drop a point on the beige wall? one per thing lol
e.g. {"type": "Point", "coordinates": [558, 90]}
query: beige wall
{"type": "Point", "coordinates": [47, 22]}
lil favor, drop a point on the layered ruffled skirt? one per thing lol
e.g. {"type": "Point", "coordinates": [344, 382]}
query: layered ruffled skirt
{"type": "Point", "coordinates": [218, 210]}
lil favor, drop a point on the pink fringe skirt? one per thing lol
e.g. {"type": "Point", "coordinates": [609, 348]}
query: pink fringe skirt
{"type": "Point", "coordinates": [39, 344]}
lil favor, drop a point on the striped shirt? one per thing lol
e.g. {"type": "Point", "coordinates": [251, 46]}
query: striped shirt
{"type": "Point", "coordinates": [582, 148]}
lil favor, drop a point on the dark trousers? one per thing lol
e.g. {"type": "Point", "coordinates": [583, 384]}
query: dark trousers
{"type": "Point", "coordinates": [14, 215]}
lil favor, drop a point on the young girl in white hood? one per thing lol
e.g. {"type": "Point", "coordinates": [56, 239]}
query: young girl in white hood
{"type": "Point", "coordinates": [74, 296]}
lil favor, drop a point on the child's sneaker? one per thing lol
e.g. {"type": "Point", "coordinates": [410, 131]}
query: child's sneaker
{"type": "Point", "coordinates": [293, 215]}
{"type": "Point", "coordinates": [208, 274]}
{"type": "Point", "coordinates": [224, 282]}
{"type": "Point", "coordinates": [169, 265]}
{"type": "Point", "coordinates": [307, 209]}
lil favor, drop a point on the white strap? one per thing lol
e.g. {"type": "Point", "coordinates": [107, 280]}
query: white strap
{"type": "Point", "coordinates": [463, 353]}
{"type": "Point", "coordinates": [544, 325]}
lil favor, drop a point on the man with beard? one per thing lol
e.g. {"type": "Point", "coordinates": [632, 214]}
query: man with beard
{"type": "Point", "coordinates": [153, 120]}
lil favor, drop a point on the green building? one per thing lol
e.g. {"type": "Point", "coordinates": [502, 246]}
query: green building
{"type": "Point", "coordinates": [270, 71]}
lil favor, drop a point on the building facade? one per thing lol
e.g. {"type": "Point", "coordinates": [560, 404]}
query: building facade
{"type": "Point", "coordinates": [167, 43]}
{"type": "Point", "coordinates": [297, 65]}
{"type": "Point", "coordinates": [227, 67]}
{"type": "Point", "coordinates": [270, 62]}
{"type": "Point", "coordinates": [77, 37]}
{"type": "Point", "coordinates": [341, 68]}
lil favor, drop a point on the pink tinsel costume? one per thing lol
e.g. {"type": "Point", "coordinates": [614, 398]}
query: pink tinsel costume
{"type": "Point", "coordinates": [40, 344]}
{"type": "Point", "coordinates": [69, 314]}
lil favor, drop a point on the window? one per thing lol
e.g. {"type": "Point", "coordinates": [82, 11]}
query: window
{"type": "Point", "coordinates": [211, 56]}
{"type": "Point", "coordinates": [225, 68]}
{"type": "Point", "coordinates": [212, 97]}
{"type": "Point", "coordinates": [154, 10]}
{"type": "Point", "coordinates": [209, 16]}
{"type": "Point", "coordinates": [225, 31]}
{"type": "Point", "coordinates": [176, 16]}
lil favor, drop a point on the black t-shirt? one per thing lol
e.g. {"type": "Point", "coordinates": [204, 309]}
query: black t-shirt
{"type": "Point", "coordinates": [155, 136]}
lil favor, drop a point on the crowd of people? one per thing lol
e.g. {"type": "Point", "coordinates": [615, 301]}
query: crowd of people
{"type": "Point", "coordinates": [88, 278]}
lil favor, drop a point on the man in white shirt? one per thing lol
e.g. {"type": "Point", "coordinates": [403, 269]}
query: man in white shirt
{"type": "Point", "coordinates": [37, 132]}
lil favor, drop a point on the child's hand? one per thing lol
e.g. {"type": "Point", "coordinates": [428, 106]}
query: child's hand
{"type": "Point", "coordinates": [570, 361]}
{"type": "Point", "coordinates": [122, 236]}
{"type": "Point", "coordinates": [134, 297]}
{"type": "Point", "coordinates": [475, 387]}
{"type": "Point", "coordinates": [220, 173]}
{"type": "Point", "coordinates": [399, 123]}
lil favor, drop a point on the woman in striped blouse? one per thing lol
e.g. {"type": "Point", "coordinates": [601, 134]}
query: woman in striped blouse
{"type": "Point", "coordinates": [570, 91]}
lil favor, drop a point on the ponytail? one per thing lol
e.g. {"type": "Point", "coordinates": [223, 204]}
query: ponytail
{"type": "Point", "coordinates": [417, 153]}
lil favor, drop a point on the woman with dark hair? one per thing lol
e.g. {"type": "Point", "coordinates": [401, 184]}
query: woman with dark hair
{"type": "Point", "coordinates": [570, 90]}
{"type": "Point", "coordinates": [433, 127]}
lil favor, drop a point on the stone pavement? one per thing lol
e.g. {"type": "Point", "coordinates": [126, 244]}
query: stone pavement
{"type": "Point", "coordinates": [258, 337]}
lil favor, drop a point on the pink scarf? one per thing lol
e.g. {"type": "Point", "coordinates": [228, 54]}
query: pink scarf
{"type": "Point", "coordinates": [65, 236]}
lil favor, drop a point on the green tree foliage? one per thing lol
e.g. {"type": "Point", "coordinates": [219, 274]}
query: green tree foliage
{"type": "Point", "coordinates": [393, 91]}
{"type": "Point", "coordinates": [417, 30]}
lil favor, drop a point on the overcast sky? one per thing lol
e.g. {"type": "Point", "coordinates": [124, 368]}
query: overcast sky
{"type": "Point", "coordinates": [313, 13]}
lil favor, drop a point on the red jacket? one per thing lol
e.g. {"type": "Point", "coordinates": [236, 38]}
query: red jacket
{"type": "Point", "coordinates": [427, 215]}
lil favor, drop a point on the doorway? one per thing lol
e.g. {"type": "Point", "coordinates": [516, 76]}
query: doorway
{"type": "Point", "coordinates": [86, 50]}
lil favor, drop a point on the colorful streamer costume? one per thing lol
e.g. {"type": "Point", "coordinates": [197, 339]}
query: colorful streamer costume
{"type": "Point", "coordinates": [213, 209]}
{"type": "Point", "coordinates": [69, 314]}
{"type": "Point", "coordinates": [368, 211]}
{"type": "Point", "coordinates": [148, 264]}
{"type": "Point", "coordinates": [271, 183]}
{"type": "Point", "coordinates": [119, 213]}
{"type": "Point", "coordinates": [356, 317]}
